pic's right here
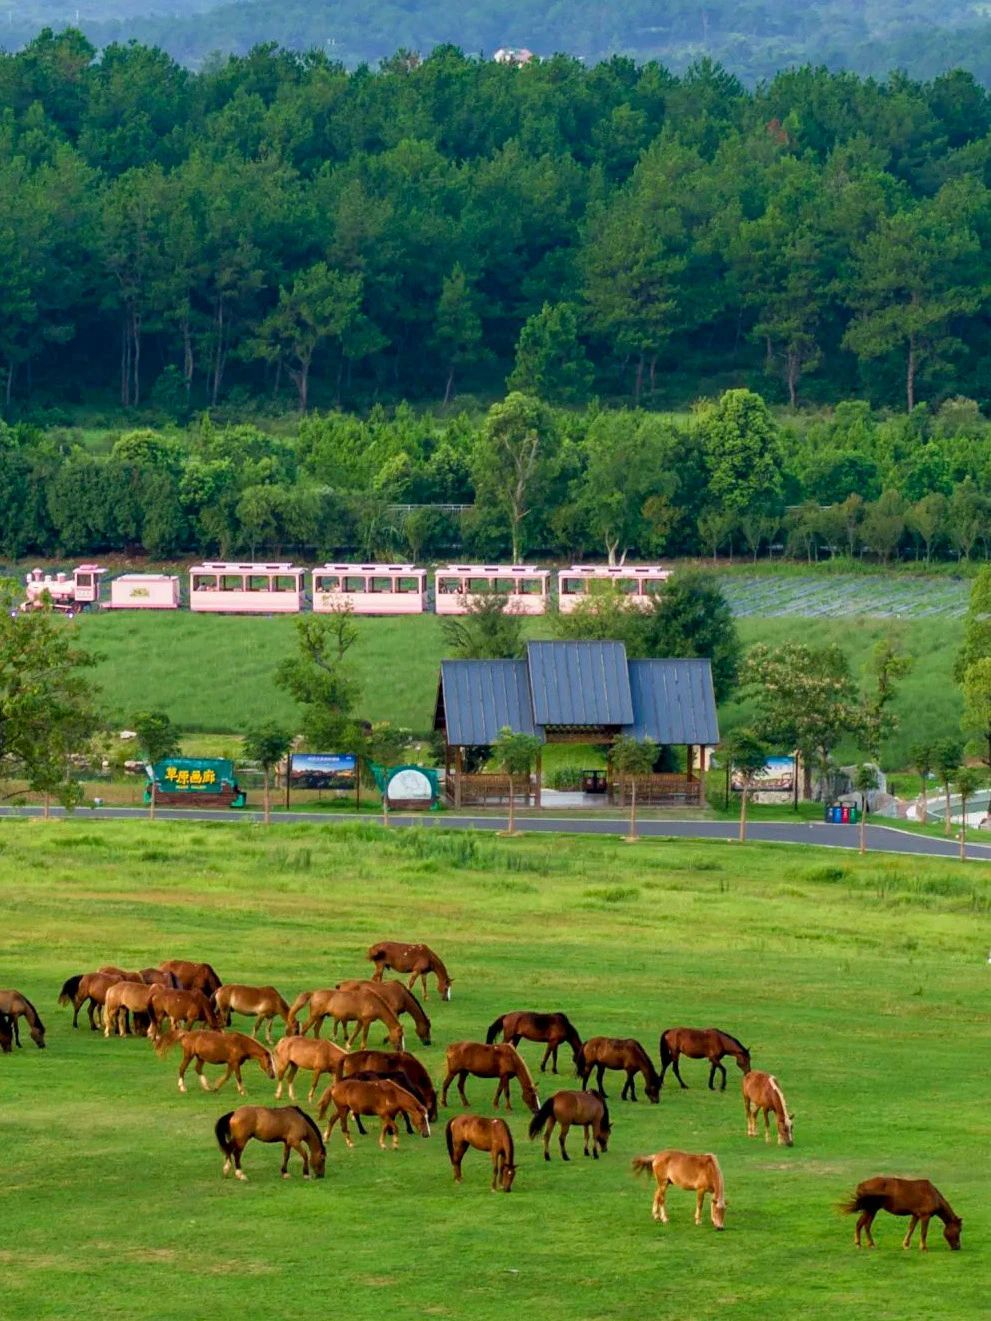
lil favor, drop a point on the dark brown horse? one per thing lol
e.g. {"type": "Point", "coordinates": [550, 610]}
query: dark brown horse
{"type": "Point", "coordinates": [6, 1035]}
{"type": "Point", "coordinates": [286, 1124]}
{"type": "Point", "coordinates": [89, 988]}
{"type": "Point", "coordinates": [501, 1061]}
{"type": "Point", "coordinates": [762, 1092]}
{"type": "Point", "coordinates": [418, 960]}
{"type": "Point", "coordinates": [552, 1028]}
{"type": "Point", "coordinates": [192, 976]}
{"type": "Point", "coordinates": [492, 1135]}
{"type": "Point", "coordinates": [380, 1097]}
{"type": "Point", "coordinates": [588, 1109]}
{"type": "Point", "coordinates": [625, 1054]}
{"type": "Point", "coordinates": [917, 1198]}
{"type": "Point", "coordinates": [263, 1003]}
{"type": "Point", "coordinates": [399, 1078]}
{"type": "Point", "coordinates": [698, 1173]}
{"type": "Point", "coordinates": [393, 1064]}
{"type": "Point", "coordinates": [294, 1053]}
{"type": "Point", "coordinates": [15, 1006]}
{"type": "Point", "coordinates": [208, 1047]}
{"type": "Point", "coordinates": [400, 1000]}
{"type": "Point", "coordinates": [183, 1008]}
{"type": "Point", "coordinates": [701, 1043]}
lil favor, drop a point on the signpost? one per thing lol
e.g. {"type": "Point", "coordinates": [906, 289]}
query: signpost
{"type": "Point", "coordinates": [174, 779]}
{"type": "Point", "coordinates": [408, 788]}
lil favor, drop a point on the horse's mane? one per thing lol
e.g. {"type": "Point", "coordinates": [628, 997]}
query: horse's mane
{"type": "Point", "coordinates": [776, 1089]}
{"type": "Point", "coordinates": [311, 1126]}
{"type": "Point", "coordinates": [437, 964]}
{"type": "Point", "coordinates": [32, 1014]}
{"type": "Point", "coordinates": [643, 1058]}
{"type": "Point", "coordinates": [720, 1194]}
{"type": "Point", "coordinates": [735, 1041]}
{"type": "Point", "coordinates": [522, 1070]}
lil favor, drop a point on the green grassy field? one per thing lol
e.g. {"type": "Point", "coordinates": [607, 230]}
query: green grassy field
{"type": "Point", "coordinates": [861, 983]}
{"type": "Point", "coordinates": [214, 675]}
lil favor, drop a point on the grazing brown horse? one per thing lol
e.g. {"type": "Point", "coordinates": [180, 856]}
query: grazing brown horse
{"type": "Point", "coordinates": [6, 1035]}
{"type": "Point", "coordinates": [418, 960]}
{"type": "Point", "coordinates": [380, 1097]}
{"type": "Point", "coordinates": [493, 1135]}
{"type": "Point", "coordinates": [567, 1109]}
{"type": "Point", "coordinates": [364, 1007]}
{"type": "Point", "coordinates": [501, 1061]}
{"type": "Point", "coordinates": [685, 1169]}
{"type": "Point", "coordinates": [184, 1008]}
{"type": "Point", "coordinates": [552, 1028]}
{"type": "Point", "coordinates": [701, 1043]}
{"type": "Point", "coordinates": [263, 1002]}
{"type": "Point", "coordinates": [762, 1091]}
{"type": "Point", "coordinates": [192, 976]}
{"type": "Point", "coordinates": [917, 1198]}
{"type": "Point", "coordinates": [294, 1053]}
{"type": "Point", "coordinates": [206, 1046]}
{"type": "Point", "coordinates": [399, 1078]}
{"type": "Point", "coordinates": [91, 987]}
{"type": "Point", "coordinates": [623, 1053]}
{"type": "Point", "coordinates": [122, 974]}
{"type": "Point", "coordinates": [15, 1006]}
{"type": "Point", "coordinates": [129, 997]}
{"type": "Point", "coordinates": [268, 1123]}
{"type": "Point", "coordinates": [400, 1000]}
{"type": "Point", "coordinates": [156, 977]}
{"type": "Point", "coordinates": [396, 1064]}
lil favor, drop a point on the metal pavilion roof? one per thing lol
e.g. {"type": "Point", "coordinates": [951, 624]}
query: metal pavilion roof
{"type": "Point", "coordinates": [577, 685]}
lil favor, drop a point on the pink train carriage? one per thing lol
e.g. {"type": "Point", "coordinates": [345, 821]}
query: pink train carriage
{"type": "Point", "coordinates": [143, 591]}
{"type": "Point", "coordinates": [526, 587]}
{"type": "Point", "coordinates": [218, 587]}
{"type": "Point", "coordinates": [641, 582]}
{"type": "Point", "coordinates": [370, 589]}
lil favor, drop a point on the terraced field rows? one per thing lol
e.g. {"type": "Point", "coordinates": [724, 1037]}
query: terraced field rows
{"type": "Point", "coordinates": [818, 596]}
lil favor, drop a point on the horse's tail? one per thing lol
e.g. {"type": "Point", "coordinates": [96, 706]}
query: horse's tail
{"type": "Point", "coordinates": [165, 1043]}
{"type": "Point", "coordinates": [858, 1201]}
{"type": "Point", "coordinates": [222, 1129]}
{"type": "Point", "coordinates": [69, 989]}
{"type": "Point", "coordinates": [718, 1191]}
{"type": "Point", "coordinates": [449, 1135]}
{"type": "Point", "coordinates": [666, 1056]}
{"type": "Point", "coordinates": [493, 1030]}
{"type": "Point", "coordinates": [541, 1117]}
{"type": "Point", "coordinates": [302, 999]}
{"type": "Point", "coordinates": [642, 1163]}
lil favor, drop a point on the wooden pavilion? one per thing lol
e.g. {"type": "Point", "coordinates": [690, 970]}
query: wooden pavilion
{"type": "Point", "coordinates": [576, 692]}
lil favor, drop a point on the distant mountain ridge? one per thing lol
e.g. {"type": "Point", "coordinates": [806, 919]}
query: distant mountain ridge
{"type": "Point", "coordinates": [753, 38]}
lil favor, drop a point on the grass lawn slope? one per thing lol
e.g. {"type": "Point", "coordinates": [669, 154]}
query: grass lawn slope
{"type": "Point", "coordinates": [862, 984]}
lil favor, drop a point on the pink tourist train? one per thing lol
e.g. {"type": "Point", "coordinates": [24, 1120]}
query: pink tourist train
{"type": "Point", "coordinates": [526, 586]}
{"type": "Point", "coordinates": [639, 581]}
{"type": "Point", "coordinates": [218, 587]}
{"type": "Point", "coordinates": [263, 588]}
{"type": "Point", "coordinates": [370, 589]}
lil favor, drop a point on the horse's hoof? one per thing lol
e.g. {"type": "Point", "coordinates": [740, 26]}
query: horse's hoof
{"type": "Point", "coordinates": [241, 1175]}
{"type": "Point", "coordinates": [547, 1155]}
{"type": "Point", "coordinates": [286, 1175]}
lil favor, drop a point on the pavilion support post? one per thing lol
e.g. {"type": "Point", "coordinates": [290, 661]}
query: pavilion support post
{"type": "Point", "coordinates": [536, 787]}
{"type": "Point", "coordinates": [457, 776]}
{"type": "Point", "coordinates": [701, 776]}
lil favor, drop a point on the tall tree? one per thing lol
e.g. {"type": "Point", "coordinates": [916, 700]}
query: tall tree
{"type": "Point", "coordinates": [632, 757]}
{"type": "Point", "coordinates": [692, 618]}
{"type": "Point", "coordinates": [742, 451]}
{"type": "Point", "coordinates": [551, 361]}
{"type": "Point", "coordinates": [458, 326]}
{"type": "Point", "coordinates": [514, 462]}
{"type": "Point", "coordinates": [488, 630]}
{"type": "Point", "coordinates": [267, 744]}
{"type": "Point", "coordinates": [320, 676]}
{"type": "Point", "coordinates": [747, 754]}
{"type": "Point", "coordinates": [515, 754]}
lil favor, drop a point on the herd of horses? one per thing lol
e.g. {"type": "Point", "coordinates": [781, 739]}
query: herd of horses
{"type": "Point", "coordinates": [168, 1003]}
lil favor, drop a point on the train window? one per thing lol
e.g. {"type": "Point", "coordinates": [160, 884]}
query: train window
{"type": "Point", "coordinates": [231, 582]}
{"type": "Point", "coordinates": [532, 586]}
{"type": "Point", "coordinates": [284, 582]}
{"type": "Point", "coordinates": [355, 584]}
{"type": "Point", "coordinates": [653, 586]}
{"type": "Point", "coordinates": [380, 585]}
{"type": "Point", "coordinates": [407, 584]}
{"type": "Point", "coordinates": [327, 583]}
{"type": "Point", "coordinates": [486, 585]}
{"type": "Point", "coordinates": [257, 582]}
{"type": "Point", "coordinates": [572, 587]}
{"type": "Point", "coordinates": [448, 586]}
{"type": "Point", "coordinates": [204, 582]}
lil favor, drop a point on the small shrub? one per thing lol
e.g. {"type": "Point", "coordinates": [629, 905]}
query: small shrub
{"type": "Point", "coordinates": [613, 894]}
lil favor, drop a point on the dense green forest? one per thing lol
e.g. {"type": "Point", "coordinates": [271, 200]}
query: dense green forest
{"type": "Point", "coordinates": [523, 480]}
{"type": "Point", "coordinates": [278, 226]}
{"type": "Point", "coordinates": [755, 38]}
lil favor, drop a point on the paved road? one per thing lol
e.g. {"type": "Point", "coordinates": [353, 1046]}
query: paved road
{"type": "Point", "coordinates": [887, 839]}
